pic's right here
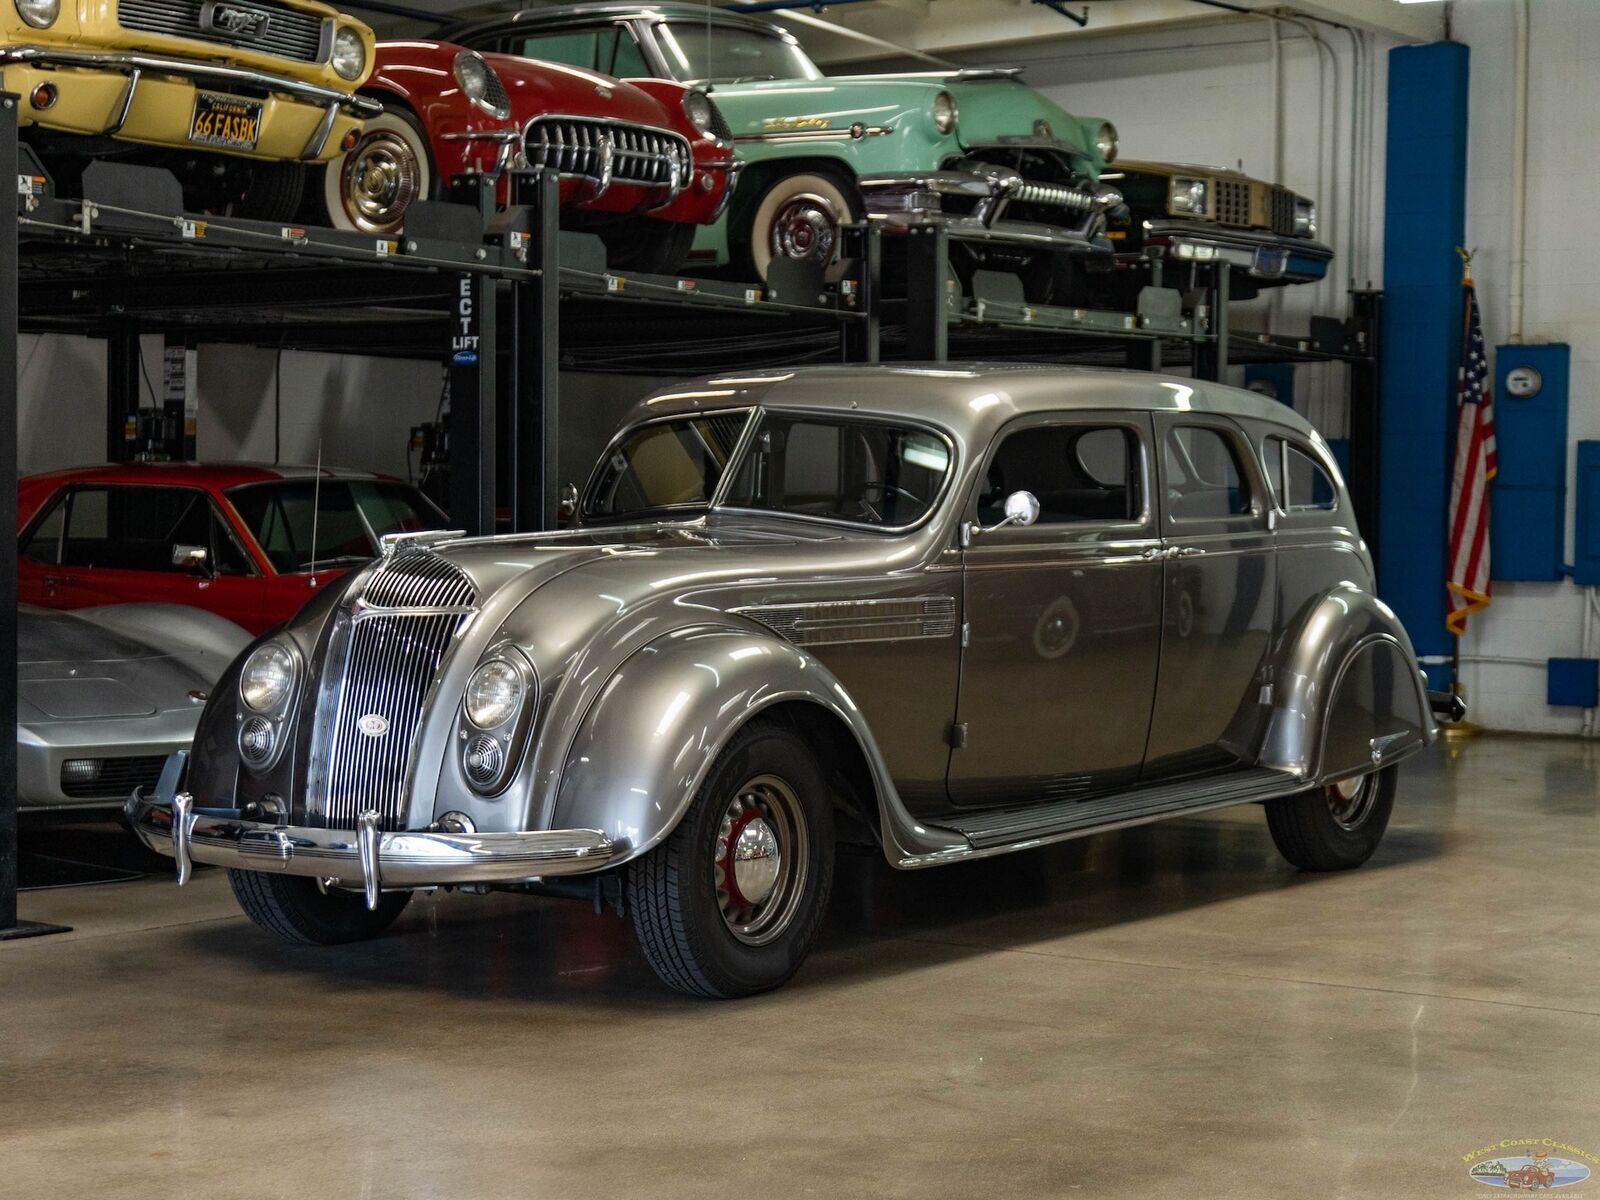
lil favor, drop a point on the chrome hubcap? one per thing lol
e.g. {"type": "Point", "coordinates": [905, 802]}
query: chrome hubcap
{"type": "Point", "coordinates": [806, 227]}
{"type": "Point", "coordinates": [1351, 800]}
{"type": "Point", "coordinates": [382, 176]}
{"type": "Point", "coordinates": [759, 863]}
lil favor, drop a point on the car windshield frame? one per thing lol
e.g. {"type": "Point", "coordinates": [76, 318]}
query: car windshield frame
{"type": "Point", "coordinates": [675, 55]}
{"type": "Point", "coordinates": [756, 415]}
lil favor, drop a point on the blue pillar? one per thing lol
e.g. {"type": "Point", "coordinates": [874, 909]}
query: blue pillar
{"type": "Point", "coordinates": [1424, 222]}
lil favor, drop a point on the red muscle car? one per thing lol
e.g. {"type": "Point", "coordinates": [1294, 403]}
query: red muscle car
{"type": "Point", "coordinates": [642, 163]}
{"type": "Point", "coordinates": [236, 540]}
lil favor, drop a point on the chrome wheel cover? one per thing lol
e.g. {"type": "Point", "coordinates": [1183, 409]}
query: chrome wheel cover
{"type": "Point", "coordinates": [759, 860]}
{"type": "Point", "coordinates": [379, 180]}
{"type": "Point", "coordinates": [806, 228]}
{"type": "Point", "coordinates": [1350, 801]}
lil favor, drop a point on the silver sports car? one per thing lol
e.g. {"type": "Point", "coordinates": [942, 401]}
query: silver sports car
{"type": "Point", "coordinates": [105, 694]}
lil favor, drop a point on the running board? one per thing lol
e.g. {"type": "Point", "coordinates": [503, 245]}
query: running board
{"type": "Point", "coordinates": [1017, 828]}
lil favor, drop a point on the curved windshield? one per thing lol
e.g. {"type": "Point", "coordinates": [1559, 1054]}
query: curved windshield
{"type": "Point", "coordinates": [349, 516]}
{"type": "Point", "coordinates": [717, 54]}
{"type": "Point", "coordinates": [866, 472]}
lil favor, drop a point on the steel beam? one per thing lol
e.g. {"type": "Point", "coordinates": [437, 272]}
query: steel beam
{"type": "Point", "coordinates": [535, 408]}
{"type": "Point", "coordinates": [123, 397]}
{"type": "Point", "coordinates": [927, 250]}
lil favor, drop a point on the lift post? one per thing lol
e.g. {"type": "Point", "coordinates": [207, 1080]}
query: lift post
{"type": "Point", "coordinates": [535, 408]}
{"type": "Point", "coordinates": [471, 364]}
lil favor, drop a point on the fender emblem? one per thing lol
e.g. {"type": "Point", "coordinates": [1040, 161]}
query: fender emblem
{"type": "Point", "coordinates": [373, 725]}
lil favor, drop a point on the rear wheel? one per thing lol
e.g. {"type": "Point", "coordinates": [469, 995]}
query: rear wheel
{"type": "Point", "coordinates": [799, 217]}
{"type": "Point", "coordinates": [368, 188]}
{"type": "Point", "coordinates": [298, 911]}
{"type": "Point", "coordinates": [1335, 827]}
{"type": "Point", "coordinates": [730, 903]}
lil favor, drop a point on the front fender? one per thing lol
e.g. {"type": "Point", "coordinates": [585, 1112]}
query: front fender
{"type": "Point", "coordinates": [1347, 692]}
{"type": "Point", "coordinates": [650, 738]}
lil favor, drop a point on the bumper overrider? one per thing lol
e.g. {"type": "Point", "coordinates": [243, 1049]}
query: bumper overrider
{"type": "Point", "coordinates": [366, 858]}
{"type": "Point", "coordinates": [982, 196]}
{"type": "Point", "coordinates": [1257, 252]}
{"type": "Point", "coordinates": [148, 98]}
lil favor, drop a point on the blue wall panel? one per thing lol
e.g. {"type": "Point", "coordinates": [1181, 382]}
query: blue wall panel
{"type": "Point", "coordinates": [1586, 518]}
{"type": "Point", "coordinates": [1528, 504]}
{"type": "Point", "coordinates": [1424, 222]}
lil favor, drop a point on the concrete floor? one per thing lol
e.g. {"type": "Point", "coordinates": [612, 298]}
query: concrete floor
{"type": "Point", "coordinates": [1163, 1012]}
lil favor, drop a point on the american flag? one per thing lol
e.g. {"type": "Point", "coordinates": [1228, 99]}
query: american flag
{"type": "Point", "coordinates": [1467, 586]}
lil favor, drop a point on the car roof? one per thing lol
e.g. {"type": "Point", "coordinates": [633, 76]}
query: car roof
{"type": "Point", "coordinates": [204, 475]}
{"type": "Point", "coordinates": [695, 12]}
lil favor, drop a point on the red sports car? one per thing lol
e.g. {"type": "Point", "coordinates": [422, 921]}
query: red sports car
{"type": "Point", "coordinates": [236, 540]}
{"type": "Point", "coordinates": [642, 163]}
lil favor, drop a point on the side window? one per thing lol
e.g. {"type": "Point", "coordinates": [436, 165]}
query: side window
{"type": "Point", "coordinates": [1078, 473]}
{"type": "Point", "coordinates": [1272, 454]}
{"type": "Point", "coordinates": [44, 543]}
{"type": "Point", "coordinates": [1310, 488]}
{"type": "Point", "coordinates": [133, 528]}
{"type": "Point", "coordinates": [1205, 479]}
{"type": "Point", "coordinates": [627, 60]}
{"type": "Point", "coordinates": [576, 48]}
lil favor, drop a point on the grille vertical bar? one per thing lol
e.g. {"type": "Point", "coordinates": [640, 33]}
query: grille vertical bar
{"type": "Point", "coordinates": [390, 660]}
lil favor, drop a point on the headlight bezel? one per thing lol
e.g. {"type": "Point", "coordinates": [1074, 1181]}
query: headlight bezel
{"type": "Point", "coordinates": [1305, 217]}
{"type": "Point", "coordinates": [508, 734]}
{"type": "Point", "coordinates": [945, 113]}
{"type": "Point", "coordinates": [697, 111]}
{"type": "Point", "coordinates": [1188, 195]}
{"type": "Point", "coordinates": [275, 704]}
{"type": "Point", "coordinates": [1105, 142]}
{"type": "Point", "coordinates": [472, 74]}
{"type": "Point", "coordinates": [345, 35]}
{"type": "Point", "coordinates": [509, 674]}
{"type": "Point", "coordinates": [38, 21]}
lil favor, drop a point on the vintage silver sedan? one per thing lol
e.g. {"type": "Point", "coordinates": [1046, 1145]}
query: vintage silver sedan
{"type": "Point", "coordinates": [952, 612]}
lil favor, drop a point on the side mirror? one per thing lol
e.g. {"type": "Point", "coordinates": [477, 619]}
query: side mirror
{"type": "Point", "coordinates": [1021, 509]}
{"type": "Point", "coordinates": [190, 558]}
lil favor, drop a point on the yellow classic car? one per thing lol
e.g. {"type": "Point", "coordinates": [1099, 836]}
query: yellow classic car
{"type": "Point", "coordinates": [235, 96]}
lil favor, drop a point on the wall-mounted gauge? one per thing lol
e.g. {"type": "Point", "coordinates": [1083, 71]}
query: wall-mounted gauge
{"type": "Point", "coordinates": [1524, 382]}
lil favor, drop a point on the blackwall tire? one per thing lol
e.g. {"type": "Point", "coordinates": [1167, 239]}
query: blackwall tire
{"type": "Point", "coordinates": [1333, 828]}
{"type": "Point", "coordinates": [296, 910]}
{"type": "Point", "coordinates": [647, 245]}
{"type": "Point", "coordinates": [368, 188]}
{"type": "Point", "coordinates": [274, 192]}
{"type": "Point", "coordinates": [799, 212]}
{"type": "Point", "coordinates": [698, 930]}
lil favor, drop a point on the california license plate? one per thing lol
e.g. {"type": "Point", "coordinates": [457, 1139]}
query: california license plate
{"type": "Point", "coordinates": [1271, 262]}
{"type": "Point", "coordinates": [225, 121]}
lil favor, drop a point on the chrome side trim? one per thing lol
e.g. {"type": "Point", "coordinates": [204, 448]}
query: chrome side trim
{"type": "Point", "coordinates": [849, 133]}
{"type": "Point", "coordinates": [216, 73]}
{"type": "Point", "coordinates": [836, 622]}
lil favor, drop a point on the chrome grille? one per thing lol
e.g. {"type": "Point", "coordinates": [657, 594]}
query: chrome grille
{"type": "Point", "coordinates": [606, 152]}
{"type": "Point", "coordinates": [1282, 204]}
{"type": "Point", "coordinates": [1233, 202]}
{"type": "Point", "coordinates": [286, 32]}
{"type": "Point", "coordinates": [391, 646]}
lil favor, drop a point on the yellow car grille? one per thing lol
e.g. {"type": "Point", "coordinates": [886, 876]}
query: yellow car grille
{"type": "Point", "coordinates": [268, 28]}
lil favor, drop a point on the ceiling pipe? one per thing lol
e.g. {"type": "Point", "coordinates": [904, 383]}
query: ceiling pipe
{"type": "Point", "coordinates": [875, 42]}
{"type": "Point", "coordinates": [1519, 170]}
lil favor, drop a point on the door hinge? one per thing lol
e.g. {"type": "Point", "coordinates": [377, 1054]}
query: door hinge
{"type": "Point", "coordinates": [957, 736]}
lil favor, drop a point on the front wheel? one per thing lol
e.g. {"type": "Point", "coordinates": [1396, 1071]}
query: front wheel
{"type": "Point", "coordinates": [296, 910]}
{"type": "Point", "coordinates": [1335, 827]}
{"type": "Point", "coordinates": [730, 903]}
{"type": "Point", "coordinates": [799, 217]}
{"type": "Point", "coordinates": [368, 188]}
{"type": "Point", "coordinates": [648, 245]}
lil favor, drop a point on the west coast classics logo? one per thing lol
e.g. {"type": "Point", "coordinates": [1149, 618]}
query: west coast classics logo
{"type": "Point", "coordinates": [1529, 1164]}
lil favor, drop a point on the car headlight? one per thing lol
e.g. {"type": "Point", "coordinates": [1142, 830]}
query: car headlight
{"type": "Point", "coordinates": [349, 56]}
{"type": "Point", "coordinates": [481, 85]}
{"type": "Point", "coordinates": [1105, 141]}
{"type": "Point", "coordinates": [697, 107]}
{"type": "Point", "coordinates": [494, 694]}
{"type": "Point", "coordinates": [1305, 217]}
{"type": "Point", "coordinates": [945, 115]}
{"type": "Point", "coordinates": [1187, 195]}
{"type": "Point", "coordinates": [41, 14]}
{"type": "Point", "coordinates": [267, 678]}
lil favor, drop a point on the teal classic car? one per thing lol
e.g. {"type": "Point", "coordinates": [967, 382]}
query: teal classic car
{"type": "Point", "coordinates": [976, 149]}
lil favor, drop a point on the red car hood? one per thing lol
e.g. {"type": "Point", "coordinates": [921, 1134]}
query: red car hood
{"type": "Point", "coordinates": [552, 89]}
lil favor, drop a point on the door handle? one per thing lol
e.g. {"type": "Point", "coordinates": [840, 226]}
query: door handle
{"type": "Point", "coordinates": [1185, 551]}
{"type": "Point", "coordinates": [1156, 554]}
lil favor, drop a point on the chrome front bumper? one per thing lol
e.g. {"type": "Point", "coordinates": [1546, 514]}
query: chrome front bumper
{"type": "Point", "coordinates": [1259, 253]}
{"type": "Point", "coordinates": [367, 858]}
{"type": "Point", "coordinates": [917, 198]}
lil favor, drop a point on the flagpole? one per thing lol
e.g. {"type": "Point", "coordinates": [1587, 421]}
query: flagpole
{"type": "Point", "coordinates": [1459, 731]}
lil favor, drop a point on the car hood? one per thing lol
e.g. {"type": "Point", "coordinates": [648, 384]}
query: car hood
{"type": "Point", "coordinates": [992, 106]}
{"type": "Point", "coordinates": [70, 669]}
{"type": "Point", "coordinates": [538, 88]}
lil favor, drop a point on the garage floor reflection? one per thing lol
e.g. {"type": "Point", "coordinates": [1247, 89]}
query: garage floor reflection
{"type": "Point", "coordinates": [1168, 1011]}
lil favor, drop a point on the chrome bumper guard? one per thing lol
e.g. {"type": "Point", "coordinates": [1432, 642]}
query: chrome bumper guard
{"type": "Point", "coordinates": [368, 858]}
{"type": "Point", "coordinates": [1258, 252]}
{"type": "Point", "coordinates": [917, 198]}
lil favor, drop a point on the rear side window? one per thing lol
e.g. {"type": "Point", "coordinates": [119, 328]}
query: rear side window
{"type": "Point", "coordinates": [125, 528]}
{"type": "Point", "coordinates": [1309, 487]}
{"type": "Point", "coordinates": [1078, 474]}
{"type": "Point", "coordinates": [1205, 479]}
{"type": "Point", "coordinates": [628, 60]}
